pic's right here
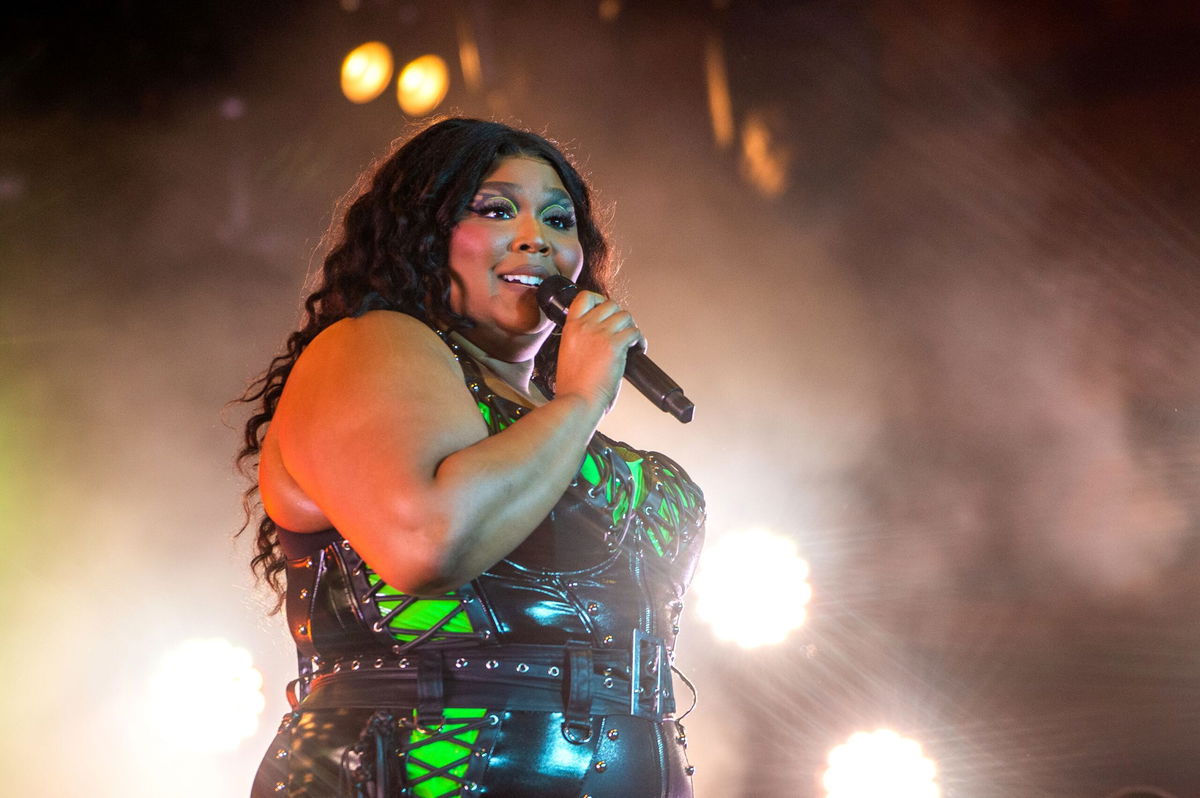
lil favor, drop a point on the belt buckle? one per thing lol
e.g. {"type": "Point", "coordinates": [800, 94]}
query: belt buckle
{"type": "Point", "coordinates": [646, 690]}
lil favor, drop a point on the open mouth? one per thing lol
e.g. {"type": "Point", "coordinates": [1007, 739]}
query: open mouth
{"type": "Point", "coordinates": [522, 279]}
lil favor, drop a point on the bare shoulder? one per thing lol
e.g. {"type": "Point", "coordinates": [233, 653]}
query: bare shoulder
{"type": "Point", "coordinates": [379, 333]}
{"type": "Point", "coordinates": [380, 382]}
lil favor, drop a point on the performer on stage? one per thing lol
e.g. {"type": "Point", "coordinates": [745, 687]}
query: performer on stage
{"type": "Point", "coordinates": [484, 591]}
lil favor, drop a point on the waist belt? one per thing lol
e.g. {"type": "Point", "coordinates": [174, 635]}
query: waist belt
{"type": "Point", "coordinates": [575, 679]}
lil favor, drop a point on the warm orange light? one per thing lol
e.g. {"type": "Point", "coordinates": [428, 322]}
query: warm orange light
{"type": "Point", "coordinates": [765, 161]}
{"type": "Point", "coordinates": [422, 85]}
{"type": "Point", "coordinates": [366, 72]}
{"type": "Point", "coordinates": [468, 56]}
{"type": "Point", "coordinates": [720, 106]}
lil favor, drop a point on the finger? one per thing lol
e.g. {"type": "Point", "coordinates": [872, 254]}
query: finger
{"type": "Point", "coordinates": [606, 310]}
{"type": "Point", "coordinates": [583, 302]}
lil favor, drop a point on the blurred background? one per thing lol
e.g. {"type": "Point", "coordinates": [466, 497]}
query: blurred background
{"type": "Point", "coordinates": [929, 270]}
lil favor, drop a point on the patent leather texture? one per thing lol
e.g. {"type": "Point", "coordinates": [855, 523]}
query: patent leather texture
{"type": "Point", "coordinates": [574, 632]}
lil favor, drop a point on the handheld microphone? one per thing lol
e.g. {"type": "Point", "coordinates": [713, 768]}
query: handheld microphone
{"type": "Point", "coordinates": [554, 296]}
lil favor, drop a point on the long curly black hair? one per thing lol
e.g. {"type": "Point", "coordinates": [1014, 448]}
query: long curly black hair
{"type": "Point", "coordinates": [390, 250]}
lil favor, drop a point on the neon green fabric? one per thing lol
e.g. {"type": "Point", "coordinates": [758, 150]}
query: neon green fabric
{"type": "Point", "coordinates": [426, 757]}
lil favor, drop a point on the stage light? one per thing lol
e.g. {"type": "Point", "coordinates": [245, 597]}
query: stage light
{"type": "Point", "coordinates": [366, 72]}
{"type": "Point", "coordinates": [878, 763]}
{"type": "Point", "coordinates": [765, 161]}
{"type": "Point", "coordinates": [205, 696]}
{"type": "Point", "coordinates": [752, 588]}
{"type": "Point", "coordinates": [720, 106]}
{"type": "Point", "coordinates": [422, 85]}
{"type": "Point", "coordinates": [468, 56]}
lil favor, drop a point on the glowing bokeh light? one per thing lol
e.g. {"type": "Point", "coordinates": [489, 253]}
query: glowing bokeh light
{"type": "Point", "coordinates": [366, 72]}
{"type": "Point", "coordinates": [720, 105]}
{"type": "Point", "coordinates": [878, 763]}
{"type": "Point", "coordinates": [468, 56]}
{"type": "Point", "coordinates": [609, 9]}
{"type": "Point", "coordinates": [765, 160]}
{"type": "Point", "coordinates": [422, 85]}
{"type": "Point", "coordinates": [752, 588]}
{"type": "Point", "coordinates": [205, 696]}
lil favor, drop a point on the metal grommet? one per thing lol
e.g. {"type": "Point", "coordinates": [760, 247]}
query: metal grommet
{"type": "Point", "coordinates": [593, 608]}
{"type": "Point", "coordinates": [491, 664]}
{"type": "Point", "coordinates": [346, 545]}
{"type": "Point", "coordinates": [281, 753]}
{"type": "Point", "coordinates": [355, 665]}
{"type": "Point", "coordinates": [553, 670]}
{"type": "Point", "coordinates": [302, 629]}
{"type": "Point", "coordinates": [607, 641]}
{"type": "Point", "coordinates": [461, 663]}
{"type": "Point", "coordinates": [608, 681]}
{"type": "Point", "coordinates": [576, 732]}
{"type": "Point", "coordinates": [404, 663]}
{"type": "Point", "coordinates": [280, 786]}
{"type": "Point", "coordinates": [614, 734]}
{"type": "Point", "coordinates": [337, 667]}
{"type": "Point", "coordinates": [522, 667]}
{"type": "Point", "coordinates": [601, 766]}
{"type": "Point", "coordinates": [379, 663]}
{"type": "Point", "coordinates": [303, 592]}
{"type": "Point", "coordinates": [689, 770]}
{"type": "Point", "coordinates": [493, 719]}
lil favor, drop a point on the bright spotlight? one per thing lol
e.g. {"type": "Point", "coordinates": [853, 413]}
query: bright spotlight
{"type": "Point", "coordinates": [366, 72]}
{"type": "Point", "coordinates": [205, 696]}
{"type": "Point", "coordinates": [422, 85]}
{"type": "Point", "coordinates": [752, 588]}
{"type": "Point", "coordinates": [881, 762]}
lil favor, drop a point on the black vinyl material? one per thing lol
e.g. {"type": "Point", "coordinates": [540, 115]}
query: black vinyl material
{"type": "Point", "coordinates": [561, 653]}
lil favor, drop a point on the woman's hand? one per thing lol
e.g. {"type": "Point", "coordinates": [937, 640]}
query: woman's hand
{"type": "Point", "coordinates": [591, 356]}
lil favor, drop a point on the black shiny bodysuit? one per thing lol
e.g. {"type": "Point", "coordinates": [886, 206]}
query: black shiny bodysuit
{"type": "Point", "coordinates": [547, 675]}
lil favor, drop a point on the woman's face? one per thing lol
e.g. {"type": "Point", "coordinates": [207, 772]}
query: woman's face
{"type": "Point", "coordinates": [518, 229]}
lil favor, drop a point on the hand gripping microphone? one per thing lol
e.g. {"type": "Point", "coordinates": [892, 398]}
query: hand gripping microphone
{"type": "Point", "coordinates": [555, 295]}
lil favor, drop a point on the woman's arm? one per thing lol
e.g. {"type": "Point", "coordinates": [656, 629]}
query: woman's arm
{"type": "Point", "coordinates": [377, 428]}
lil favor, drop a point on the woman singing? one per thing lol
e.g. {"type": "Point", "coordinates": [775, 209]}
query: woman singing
{"type": "Point", "coordinates": [484, 591]}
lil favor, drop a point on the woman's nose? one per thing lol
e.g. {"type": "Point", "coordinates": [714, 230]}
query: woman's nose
{"type": "Point", "coordinates": [529, 237]}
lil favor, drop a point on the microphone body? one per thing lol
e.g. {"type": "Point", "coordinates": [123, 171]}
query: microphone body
{"type": "Point", "coordinates": [555, 295]}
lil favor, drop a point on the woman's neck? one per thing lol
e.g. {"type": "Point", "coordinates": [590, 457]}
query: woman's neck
{"type": "Point", "coordinates": [516, 375]}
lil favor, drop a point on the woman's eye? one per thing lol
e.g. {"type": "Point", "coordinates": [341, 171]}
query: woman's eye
{"type": "Point", "coordinates": [497, 208]}
{"type": "Point", "coordinates": [559, 218]}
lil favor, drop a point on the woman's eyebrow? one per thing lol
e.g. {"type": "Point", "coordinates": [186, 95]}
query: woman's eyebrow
{"type": "Point", "coordinates": [552, 195]}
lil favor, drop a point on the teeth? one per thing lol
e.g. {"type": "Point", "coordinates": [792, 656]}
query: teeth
{"type": "Point", "coordinates": [523, 279]}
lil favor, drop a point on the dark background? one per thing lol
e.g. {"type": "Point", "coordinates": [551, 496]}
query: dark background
{"type": "Point", "coordinates": [952, 353]}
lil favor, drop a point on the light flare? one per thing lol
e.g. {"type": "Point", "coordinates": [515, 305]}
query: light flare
{"type": "Point", "coordinates": [366, 72]}
{"type": "Point", "coordinates": [878, 763]}
{"type": "Point", "coordinates": [422, 85]}
{"type": "Point", "coordinates": [204, 696]}
{"type": "Point", "coordinates": [720, 104]}
{"type": "Point", "coordinates": [752, 588]}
